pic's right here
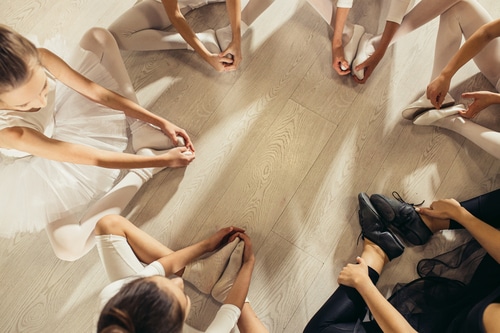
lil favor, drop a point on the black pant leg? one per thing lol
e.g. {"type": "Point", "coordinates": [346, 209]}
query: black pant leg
{"type": "Point", "coordinates": [485, 207]}
{"type": "Point", "coordinates": [342, 312]}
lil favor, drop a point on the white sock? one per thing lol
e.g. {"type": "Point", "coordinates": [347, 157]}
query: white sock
{"type": "Point", "coordinates": [226, 281]}
{"type": "Point", "coordinates": [204, 273]}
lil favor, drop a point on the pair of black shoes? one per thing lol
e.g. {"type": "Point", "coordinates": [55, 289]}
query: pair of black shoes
{"type": "Point", "coordinates": [380, 215]}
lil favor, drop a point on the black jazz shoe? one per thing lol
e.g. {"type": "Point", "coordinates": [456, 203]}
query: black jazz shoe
{"type": "Point", "coordinates": [374, 229]}
{"type": "Point", "coordinates": [402, 217]}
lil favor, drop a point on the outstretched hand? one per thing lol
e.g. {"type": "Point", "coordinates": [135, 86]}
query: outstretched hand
{"type": "Point", "coordinates": [481, 100]}
{"type": "Point", "coordinates": [353, 275]}
{"type": "Point", "coordinates": [219, 63]}
{"type": "Point", "coordinates": [233, 53]}
{"type": "Point", "coordinates": [173, 131]}
{"type": "Point", "coordinates": [222, 238]}
{"type": "Point", "coordinates": [443, 209]}
{"type": "Point", "coordinates": [339, 62]}
{"type": "Point", "coordinates": [368, 66]}
{"type": "Point", "coordinates": [248, 254]}
{"type": "Point", "coordinates": [437, 90]}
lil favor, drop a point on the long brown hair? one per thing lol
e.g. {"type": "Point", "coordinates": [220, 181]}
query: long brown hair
{"type": "Point", "coordinates": [141, 307]}
{"type": "Point", "coordinates": [18, 56]}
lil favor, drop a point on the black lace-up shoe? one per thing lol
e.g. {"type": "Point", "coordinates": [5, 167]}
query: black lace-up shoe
{"type": "Point", "coordinates": [402, 217]}
{"type": "Point", "coordinates": [374, 229]}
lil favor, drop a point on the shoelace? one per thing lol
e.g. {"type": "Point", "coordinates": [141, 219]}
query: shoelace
{"type": "Point", "coordinates": [400, 199]}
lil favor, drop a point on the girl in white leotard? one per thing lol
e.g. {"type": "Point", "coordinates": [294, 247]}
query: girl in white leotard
{"type": "Point", "coordinates": [142, 297]}
{"type": "Point", "coordinates": [143, 26]}
{"type": "Point", "coordinates": [63, 142]}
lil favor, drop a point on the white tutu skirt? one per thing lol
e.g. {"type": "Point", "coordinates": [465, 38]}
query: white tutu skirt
{"type": "Point", "coordinates": [36, 191]}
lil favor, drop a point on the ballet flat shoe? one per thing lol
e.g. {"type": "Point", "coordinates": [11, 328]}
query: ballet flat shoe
{"type": "Point", "coordinates": [365, 50]}
{"type": "Point", "coordinates": [402, 216]}
{"type": "Point", "coordinates": [374, 229]}
{"type": "Point", "coordinates": [429, 117]}
{"type": "Point", "coordinates": [351, 47]}
{"type": "Point", "coordinates": [423, 104]}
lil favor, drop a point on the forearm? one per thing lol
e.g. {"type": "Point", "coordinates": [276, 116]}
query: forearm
{"type": "Point", "coordinates": [471, 48]}
{"type": "Point", "coordinates": [177, 260]}
{"type": "Point", "coordinates": [389, 31]}
{"type": "Point", "coordinates": [387, 317]}
{"type": "Point", "coordinates": [239, 290]}
{"type": "Point", "coordinates": [234, 13]}
{"type": "Point", "coordinates": [180, 24]}
{"type": "Point", "coordinates": [338, 24]}
{"type": "Point", "coordinates": [484, 233]}
{"type": "Point", "coordinates": [117, 102]}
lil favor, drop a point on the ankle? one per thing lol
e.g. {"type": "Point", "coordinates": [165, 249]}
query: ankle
{"type": "Point", "coordinates": [374, 256]}
{"type": "Point", "coordinates": [435, 224]}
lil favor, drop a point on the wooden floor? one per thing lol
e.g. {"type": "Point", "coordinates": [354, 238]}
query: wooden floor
{"type": "Point", "coordinates": [284, 145]}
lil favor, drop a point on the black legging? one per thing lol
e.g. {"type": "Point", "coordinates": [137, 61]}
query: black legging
{"type": "Point", "coordinates": [345, 309]}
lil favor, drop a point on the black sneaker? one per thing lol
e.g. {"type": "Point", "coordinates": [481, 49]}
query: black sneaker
{"type": "Point", "coordinates": [374, 229]}
{"type": "Point", "coordinates": [402, 217]}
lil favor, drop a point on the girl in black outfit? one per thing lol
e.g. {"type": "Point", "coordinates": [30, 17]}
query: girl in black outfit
{"type": "Point", "coordinates": [444, 299]}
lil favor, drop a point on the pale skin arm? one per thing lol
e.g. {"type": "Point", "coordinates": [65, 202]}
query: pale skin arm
{"type": "Point", "coordinates": [439, 87]}
{"type": "Point", "coordinates": [369, 64]}
{"type": "Point", "coordinates": [177, 260]}
{"type": "Point", "coordinates": [35, 143]}
{"type": "Point", "coordinates": [484, 233]}
{"type": "Point", "coordinates": [387, 317]}
{"type": "Point", "coordinates": [93, 91]}
{"type": "Point", "coordinates": [338, 24]}
{"type": "Point", "coordinates": [179, 22]}
{"type": "Point", "coordinates": [234, 48]}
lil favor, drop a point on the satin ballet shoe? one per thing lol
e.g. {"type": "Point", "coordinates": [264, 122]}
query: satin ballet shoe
{"type": "Point", "coordinates": [365, 50]}
{"type": "Point", "coordinates": [423, 104]}
{"type": "Point", "coordinates": [374, 229]}
{"type": "Point", "coordinates": [351, 47]}
{"type": "Point", "coordinates": [431, 116]}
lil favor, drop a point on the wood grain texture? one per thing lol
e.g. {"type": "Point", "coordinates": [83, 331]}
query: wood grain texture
{"type": "Point", "coordinates": [284, 145]}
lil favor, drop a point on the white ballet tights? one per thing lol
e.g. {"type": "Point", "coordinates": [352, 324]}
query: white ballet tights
{"type": "Point", "coordinates": [327, 9]}
{"type": "Point", "coordinates": [485, 138]}
{"type": "Point", "coordinates": [465, 18]}
{"type": "Point", "coordinates": [142, 27]}
{"type": "Point", "coordinates": [71, 238]}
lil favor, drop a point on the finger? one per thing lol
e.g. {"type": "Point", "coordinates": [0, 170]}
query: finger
{"type": "Point", "coordinates": [229, 68]}
{"type": "Point", "coordinates": [469, 95]}
{"type": "Point", "coordinates": [226, 61]}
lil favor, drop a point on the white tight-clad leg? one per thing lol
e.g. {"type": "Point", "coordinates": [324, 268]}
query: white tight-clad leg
{"type": "Point", "coordinates": [327, 10]}
{"type": "Point", "coordinates": [464, 19]}
{"type": "Point", "coordinates": [422, 13]}
{"type": "Point", "coordinates": [71, 238]}
{"type": "Point", "coordinates": [100, 42]}
{"type": "Point", "coordinates": [485, 138]}
{"type": "Point", "coordinates": [141, 28]}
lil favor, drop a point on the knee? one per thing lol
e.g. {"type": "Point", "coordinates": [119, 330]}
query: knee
{"type": "Point", "coordinates": [96, 39]}
{"type": "Point", "coordinates": [109, 224]}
